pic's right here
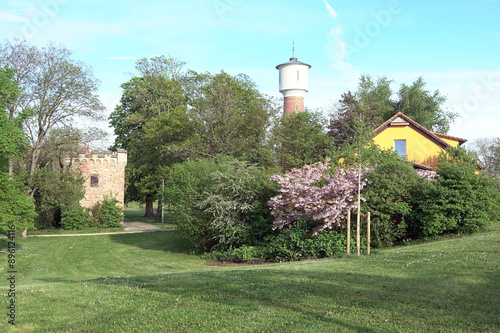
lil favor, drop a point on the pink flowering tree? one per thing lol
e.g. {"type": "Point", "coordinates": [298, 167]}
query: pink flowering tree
{"type": "Point", "coordinates": [427, 174]}
{"type": "Point", "coordinates": [311, 192]}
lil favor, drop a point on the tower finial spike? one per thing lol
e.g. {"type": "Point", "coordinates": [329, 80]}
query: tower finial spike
{"type": "Point", "coordinates": [293, 48]}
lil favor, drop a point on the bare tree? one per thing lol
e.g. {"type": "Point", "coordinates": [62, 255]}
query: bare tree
{"type": "Point", "coordinates": [54, 91]}
{"type": "Point", "coordinates": [488, 153]}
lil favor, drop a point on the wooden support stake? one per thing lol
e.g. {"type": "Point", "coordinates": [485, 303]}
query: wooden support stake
{"type": "Point", "coordinates": [348, 250]}
{"type": "Point", "coordinates": [358, 217]}
{"type": "Point", "coordinates": [358, 234]}
{"type": "Point", "coordinates": [368, 233]}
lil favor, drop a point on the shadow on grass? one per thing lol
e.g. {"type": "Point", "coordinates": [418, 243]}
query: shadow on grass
{"type": "Point", "coordinates": [339, 300]}
{"type": "Point", "coordinates": [4, 244]}
{"type": "Point", "coordinates": [169, 241]}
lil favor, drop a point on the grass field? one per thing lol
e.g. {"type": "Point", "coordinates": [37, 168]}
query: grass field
{"type": "Point", "coordinates": [152, 282]}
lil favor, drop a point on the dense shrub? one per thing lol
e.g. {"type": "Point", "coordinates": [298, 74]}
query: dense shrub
{"type": "Point", "coordinates": [309, 207]}
{"type": "Point", "coordinates": [220, 202]}
{"type": "Point", "coordinates": [299, 242]}
{"type": "Point", "coordinates": [183, 193]}
{"type": "Point", "coordinates": [15, 206]}
{"type": "Point", "coordinates": [294, 243]}
{"type": "Point", "coordinates": [107, 214]}
{"type": "Point", "coordinates": [388, 194]}
{"type": "Point", "coordinates": [74, 217]}
{"type": "Point", "coordinates": [55, 190]}
{"type": "Point", "coordinates": [460, 201]}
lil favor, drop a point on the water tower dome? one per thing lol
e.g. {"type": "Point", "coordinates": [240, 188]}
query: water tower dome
{"type": "Point", "coordinates": [293, 84]}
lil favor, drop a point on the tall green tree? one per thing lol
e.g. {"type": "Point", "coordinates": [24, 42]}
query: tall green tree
{"type": "Point", "coordinates": [424, 106]}
{"type": "Point", "coordinates": [374, 102]}
{"type": "Point", "coordinates": [371, 104]}
{"type": "Point", "coordinates": [231, 116]}
{"type": "Point", "coordinates": [151, 116]}
{"type": "Point", "coordinates": [16, 207]}
{"type": "Point", "coordinates": [168, 115]}
{"type": "Point", "coordinates": [300, 139]}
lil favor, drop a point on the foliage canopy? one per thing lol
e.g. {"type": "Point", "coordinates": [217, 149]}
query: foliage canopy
{"type": "Point", "coordinates": [373, 103]}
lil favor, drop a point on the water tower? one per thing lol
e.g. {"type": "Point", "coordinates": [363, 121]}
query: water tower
{"type": "Point", "coordinates": [293, 84]}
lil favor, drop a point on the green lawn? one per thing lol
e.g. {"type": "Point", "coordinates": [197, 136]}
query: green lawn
{"type": "Point", "coordinates": [153, 283]}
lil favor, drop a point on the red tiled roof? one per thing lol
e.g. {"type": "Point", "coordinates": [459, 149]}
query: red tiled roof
{"type": "Point", "coordinates": [446, 136]}
{"type": "Point", "coordinates": [419, 128]}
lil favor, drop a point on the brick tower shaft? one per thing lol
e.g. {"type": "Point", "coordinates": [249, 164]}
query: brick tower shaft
{"type": "Point", "coordinates": [293, 104]}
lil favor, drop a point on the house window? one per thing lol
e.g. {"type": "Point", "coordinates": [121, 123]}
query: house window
{"type": "Point", "coordinates": [94, 181]}
{"type": "Point", "coordinates": [400, 148]}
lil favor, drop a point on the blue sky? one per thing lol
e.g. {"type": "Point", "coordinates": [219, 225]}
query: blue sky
{"type": "Point", "coordinates": [454, 45]}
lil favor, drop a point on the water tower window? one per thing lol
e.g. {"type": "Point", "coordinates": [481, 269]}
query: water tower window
{"type": "Point", "coordinates": [298, 75]}
{"type": "Point", "coordinates": [400, 148]}
{"type": "Point", "coordinates": [94, 181]}
{"type": "Point", "coordinates": [296, 107]}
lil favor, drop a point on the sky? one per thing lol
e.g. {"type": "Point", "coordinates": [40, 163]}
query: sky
{"type": "Point", "coordinates": [453, 44]}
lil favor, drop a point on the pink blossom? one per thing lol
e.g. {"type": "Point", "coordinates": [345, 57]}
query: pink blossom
{"type": "Point", "coordinates": [312, 193]}
{"type": "Point", "coordinates": [427, 174]}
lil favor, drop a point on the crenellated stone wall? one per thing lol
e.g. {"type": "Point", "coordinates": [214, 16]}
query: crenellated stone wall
{"type": "Point", "coordinates": [104, 175]}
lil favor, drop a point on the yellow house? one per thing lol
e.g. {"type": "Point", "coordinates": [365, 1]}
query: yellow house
{"type": "Point", "coordinates": [413, 142]}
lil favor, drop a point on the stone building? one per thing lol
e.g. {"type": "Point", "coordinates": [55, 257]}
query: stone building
{"type": "Point", "coordinates": [104, 175]}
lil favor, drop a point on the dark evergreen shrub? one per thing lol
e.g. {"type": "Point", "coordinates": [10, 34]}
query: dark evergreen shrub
{"type": "Point", "coordinates": [296, 243]}
{"type": "Point", "coordinates": [461, 201]}
{"type": "Point", "coordinates": [55, 190]}
{"type": "Point", "coordinates": [107, 214]}
{"type": "Point", "coordinates": [74, 217]}
{"type": "Point", "coordinates": [388, 199]}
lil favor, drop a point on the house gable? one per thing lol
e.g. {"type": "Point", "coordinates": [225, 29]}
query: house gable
{"type": "Point", "coordinates": [422, 146]}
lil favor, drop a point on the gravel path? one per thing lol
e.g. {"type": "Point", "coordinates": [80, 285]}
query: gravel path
{"type": "Point", "coordinates": [130, 228]}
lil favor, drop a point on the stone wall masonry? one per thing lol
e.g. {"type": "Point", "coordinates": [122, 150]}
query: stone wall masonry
{"type": "Point", "coordinates": [109, 168]}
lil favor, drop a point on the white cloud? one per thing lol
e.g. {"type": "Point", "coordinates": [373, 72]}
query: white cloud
{"type": "Point", "coordinates": [13, 18]}
{"type": "Point", "coordinates": [337, 49]}
{"type": "Point", "coordinates": [330, 9]}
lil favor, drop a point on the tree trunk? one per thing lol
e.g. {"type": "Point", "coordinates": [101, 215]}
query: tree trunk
{"type": "Point", "coordinates": [149, 206]}
{"type": "Point", "coordinates": [158, 211]}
